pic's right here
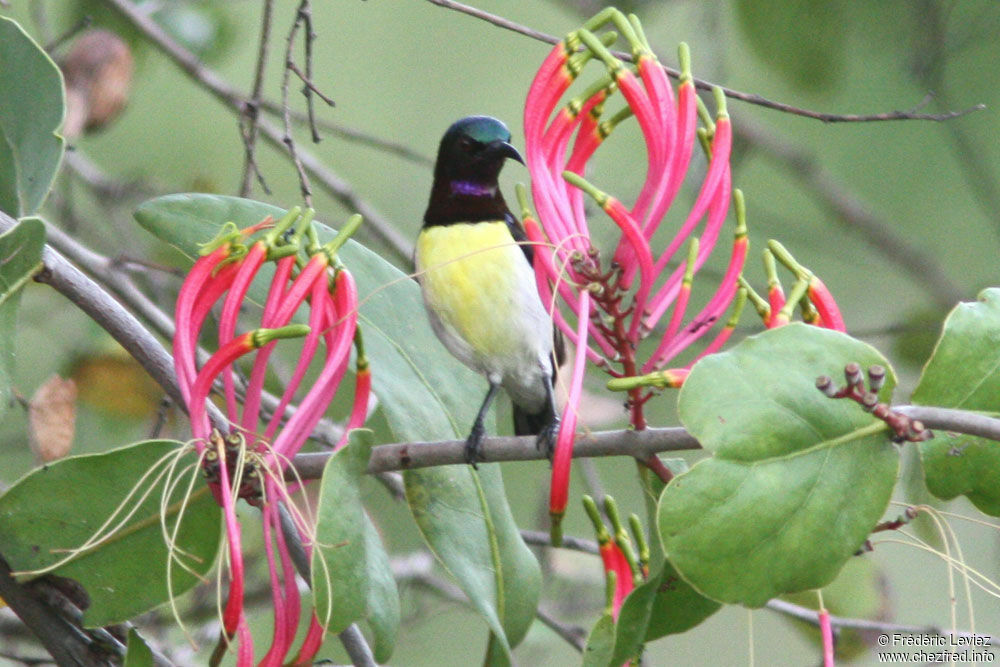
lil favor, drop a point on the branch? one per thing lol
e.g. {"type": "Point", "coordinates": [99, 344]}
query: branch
{"type": "Point", "coordinates": [812, 616]}
{"type": "Point", "coordinates": [65, 642]}
{"type": "Point", "coordinates": [408, 456]}
{"type": "Point", "coordinates": [338, 188]}
{"type": "Point", "coordinates": [750, 98]}
{"type": "Point", "coordinates": [638, 444]}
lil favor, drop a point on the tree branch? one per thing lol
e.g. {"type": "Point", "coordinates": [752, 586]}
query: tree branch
{"type": "Point", "coordinates": [812, 617]}
{"type": "Point", "coordinates": [639, 444]}
{"type": "Point", "coordinates": [749, 98]}
{"type": "Point", "coordinates": [65, 642]}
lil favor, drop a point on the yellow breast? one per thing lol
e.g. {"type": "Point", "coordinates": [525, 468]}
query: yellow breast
{"type": "Point", "coordinates": [473, 277]}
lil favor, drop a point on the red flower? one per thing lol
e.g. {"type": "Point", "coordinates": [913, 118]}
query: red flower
{"type": "Point", "coordinates": [623, 296]}
{"type": "Point", "coordinates": [245, 461]}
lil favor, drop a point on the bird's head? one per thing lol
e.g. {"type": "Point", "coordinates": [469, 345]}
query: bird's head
{"type": "Point", "coordinates": [473, 151]}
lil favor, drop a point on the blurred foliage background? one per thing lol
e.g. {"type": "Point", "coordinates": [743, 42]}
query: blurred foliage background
{"type": "Point", "coordinates": [901, 219]}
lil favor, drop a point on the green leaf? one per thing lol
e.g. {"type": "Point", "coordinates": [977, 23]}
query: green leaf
{"type": "Point", "coordinates": [797, 480]}
{"type": "Point", "coordinates": [60, 507]}
{"type": "Point", "coordinates": [351, 574]}
{"type": "Point", "coordinates": [465, 520]}
{"type": "Point", "coordinates": [138, 653]}
{"type": "Point", "coordinates": [20, 259]}
{"type": "Point", "coordinates": [422, 389]}
{"type": "Point", "coordinates": [382, 609]}
{"type": "Point", "coordinates": [964, 372]}
{"type": "Point", "coordinates": [600, 644]}
{"type": "Point", "coordinates": [663, 605]}
{"type": "Point", "coordinates": [802, 39]}
{"type": "Point", "coordinates": [31, 111]}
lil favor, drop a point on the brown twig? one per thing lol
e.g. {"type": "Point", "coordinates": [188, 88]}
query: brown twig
{"type": "Point", "coordinates": [339, 189]}
{"type": "Point", "coordinates": [251, 110]}
{"type": "Point", "coordinates": [287, 139]}
{"type": "Point", "coordinates": [749, 98]}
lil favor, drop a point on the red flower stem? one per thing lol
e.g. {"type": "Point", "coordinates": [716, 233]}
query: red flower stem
{"type": "Point", "coordinates": [229, 317]}
{"type": "Point", "coordinates": [727, 330]}
{"type": "Point", "coordinates": [563, 454]}
{"type": "Point", "coordinates": [718, 208]}
{"type": "Point", "coordinates": [708, 315]}
{"type": "Point", "coordinates": [258, 374]}
{"type": "Point", "coordinates": [311, 644]}
{"type": "Point", "coordinates": [311, 409]}
{"type": "Point", "coordinates": [186, 330]}
{"type": "Point", "coordinates": [826, 632]}
{"type": "Point", "coordinates": [714, 189]}
{"type": "Point", "coordinates": [317, 324]}
{"type": "Point", "coordinates": [279, 641]}
{"type": "Point", "coordinates": [681, 302]}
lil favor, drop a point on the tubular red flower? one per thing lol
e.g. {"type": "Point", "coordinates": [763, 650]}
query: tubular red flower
{"type": "Point", "coordinates": [562, 457]}
{"type": "Point", "coordinates": [228, 271]}
{"type": "Point", "coordinates": [614, 561]}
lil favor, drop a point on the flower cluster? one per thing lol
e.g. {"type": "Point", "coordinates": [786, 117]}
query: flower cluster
{"type": "Point", "coordinates": [621, 297]}
{"type": "Point", "coordinates": [246, 450]}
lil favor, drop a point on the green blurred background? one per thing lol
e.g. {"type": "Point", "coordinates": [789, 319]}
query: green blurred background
{"type": "Point", "coordinates": [403, 71]}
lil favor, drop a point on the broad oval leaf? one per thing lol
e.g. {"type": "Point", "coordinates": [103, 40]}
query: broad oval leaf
{"type": "Point", "coordinates": [31, 111]}
{"type": "Point", "coordinates": [464, 517]}
{"type": "Point", "coordinates": [964, 372]}
{"type": "Point", "coordinates": [351, 574]}
{"type": "Point", "coordinates": [600, 644]}
{"type": "Point", "coordinates": [138, 653]}
{"type": "Point", "coordinates": [59, 507]}
{"type": "Point", "coordinates": [797, 480]}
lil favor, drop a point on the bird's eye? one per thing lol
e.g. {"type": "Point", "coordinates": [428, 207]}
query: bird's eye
{"type": "Point", "coordinates": [467, 144]}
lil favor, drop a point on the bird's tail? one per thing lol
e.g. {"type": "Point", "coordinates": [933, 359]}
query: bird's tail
{"type": "Point", "coordinates": [526, 423]}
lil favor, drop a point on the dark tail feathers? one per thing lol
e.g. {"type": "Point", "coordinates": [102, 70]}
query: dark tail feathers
{"type": "Point", "coordinates": [526, 423]}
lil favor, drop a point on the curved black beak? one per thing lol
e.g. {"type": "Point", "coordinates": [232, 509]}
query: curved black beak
{"type": "Point", "coordinates": [504, 149]}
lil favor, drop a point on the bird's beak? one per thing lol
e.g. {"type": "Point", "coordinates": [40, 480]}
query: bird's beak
{"type": "Point", "coordinates": [505, 149]}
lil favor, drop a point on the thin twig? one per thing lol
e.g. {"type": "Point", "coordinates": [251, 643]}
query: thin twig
{"type": "Point", "coordinates": [305, 11]}
{"type": "Point", "coordinates": [339, 189]}
{"type": "Point", "coordinates": [811, 616]}
{"type": "Point", "coordinates": [750, 98]}
{"type": "Point", "coordinates": [310, 87]}
{"type": "Point", "coordinates": [354, 135]}
{"type": "Point", "coordinates": [251, 110]}
{"type": "Point", "coordinates": [288, 139]}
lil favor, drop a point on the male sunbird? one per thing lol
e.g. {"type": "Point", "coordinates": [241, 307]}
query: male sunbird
{"type": "Point", "coordinates": [475, 272]}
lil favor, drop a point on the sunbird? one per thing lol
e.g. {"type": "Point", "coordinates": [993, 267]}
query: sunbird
{"type": "Point", "coordinates": [475, 271]}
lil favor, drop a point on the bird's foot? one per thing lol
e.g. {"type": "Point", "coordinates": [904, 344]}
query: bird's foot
{"type": "Point", "coordinates": [547, 437]}
{"type": "Point", "coordinates": [474, 445]}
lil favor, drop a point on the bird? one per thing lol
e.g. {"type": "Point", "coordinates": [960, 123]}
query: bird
{"type": "Point", "coordinates": [475, 272]}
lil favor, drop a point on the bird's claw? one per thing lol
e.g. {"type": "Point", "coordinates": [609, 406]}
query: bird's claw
{"type": "Point", "coordinates": [547, 437]}
{"type": "Point", "coordinates": [474, 446]}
